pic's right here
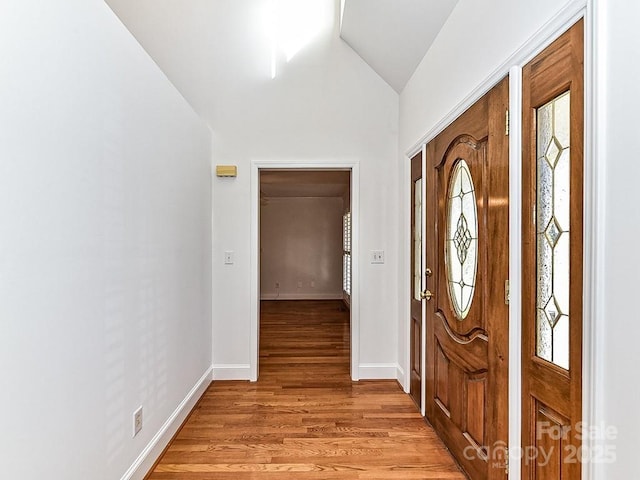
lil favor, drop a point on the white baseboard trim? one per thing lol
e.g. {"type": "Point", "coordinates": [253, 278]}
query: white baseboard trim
{"type": "Point", "coordinates": [401, 378]}
{"type": "Point", "coordinates": [160, 440]}
{"type": "Point", "coordinates": [231, 371]}
{"type": "Point", "coordinates": [301, 296]}
{"type": "Point", "coordinates": [378, 371]}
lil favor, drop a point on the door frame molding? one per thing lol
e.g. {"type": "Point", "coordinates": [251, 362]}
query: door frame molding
{"type": "Point", "coordinates": [423, 279]}
{"type": "Point", "coordinates": [254, 288]}
{"type": "Point", "coordinates": [594, 204]}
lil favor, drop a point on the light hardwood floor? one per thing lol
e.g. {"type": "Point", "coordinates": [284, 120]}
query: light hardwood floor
{"type": "Point", "coordinates": [304, 418]}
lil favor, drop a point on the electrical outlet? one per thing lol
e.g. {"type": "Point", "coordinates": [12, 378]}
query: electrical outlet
{"type": "Point", "coordinates": [277, 284]}
{"type": "Point", "coordinates": [313, 284]}
{"type": "Point", "coordinates": [299, 284]}
{"type": "Point", "coordinates": [137, 421]}
{"type": "Point", "coordinates": [228, 258]}
{"type": "Point", "coordinates": [377, 256]}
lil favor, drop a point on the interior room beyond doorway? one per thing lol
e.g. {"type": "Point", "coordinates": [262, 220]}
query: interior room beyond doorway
{"type": "Point", "coordinates": [302, 235]}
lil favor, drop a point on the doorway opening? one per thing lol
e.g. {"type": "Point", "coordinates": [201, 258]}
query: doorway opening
{"type": "Point", "coordinates": [303, 249]}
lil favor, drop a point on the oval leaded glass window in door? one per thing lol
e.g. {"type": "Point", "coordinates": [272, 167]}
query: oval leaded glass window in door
{"type": "Point", "coordinates": [461, 243]}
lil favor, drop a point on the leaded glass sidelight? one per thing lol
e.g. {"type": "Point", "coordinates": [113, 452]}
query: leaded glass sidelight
{"type": "Point", "coordinates": [552, 231]}
{"type": "Point", "coordinates": [417, 239]}
{"type": "Point", "coordinates": [461, 244]}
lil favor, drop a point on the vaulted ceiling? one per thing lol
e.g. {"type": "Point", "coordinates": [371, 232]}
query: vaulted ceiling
{"type": "Point", "coordinates": [208, 46]}
{"type": "Point", "coordinates": [392, 36]}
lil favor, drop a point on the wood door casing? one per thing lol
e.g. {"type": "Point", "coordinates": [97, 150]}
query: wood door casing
{"type": "Point", "coordinates": [467, 360]}
{"type": "Point", "coordinates": [551, 395]}
{"type": "Point", "coordinates": [416, 324]}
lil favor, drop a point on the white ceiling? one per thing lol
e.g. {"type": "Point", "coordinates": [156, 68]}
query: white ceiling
{"type": "Point", "coordinates": [221, 52]}
{"type": "Point", "coordinates": [392, 36]}
{"type": "Point", "coordinates": [215, 49]}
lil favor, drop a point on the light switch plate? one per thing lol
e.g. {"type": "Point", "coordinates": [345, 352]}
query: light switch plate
{"type": "Point", "coordinates": [228, 258]}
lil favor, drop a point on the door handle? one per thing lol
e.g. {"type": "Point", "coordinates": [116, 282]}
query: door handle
{"type": "Point", "coordinates": [426, 295]}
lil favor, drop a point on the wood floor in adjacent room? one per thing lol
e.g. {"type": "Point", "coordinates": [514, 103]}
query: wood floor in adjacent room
{"type": "Point", "coordinates": [304, 418]}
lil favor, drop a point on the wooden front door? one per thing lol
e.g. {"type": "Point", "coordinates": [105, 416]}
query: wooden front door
{"type": "Point", "coordinates": [416, 343]}
{"type": "Point", "coordinates": [467, 315]}
{"type": "Point", "coordinates": [552, 260]}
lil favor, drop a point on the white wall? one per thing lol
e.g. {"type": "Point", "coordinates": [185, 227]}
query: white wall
{"type": "Point", "coordinates": [325, 105]}
{"type": "Point", "coordinates": [618, 320]}
{"type": "Point", "coordinates": [476, 39]}
{"type": "Point", "coordinates": [104, 243]}
{"type": "Point", "coordinates": [301, 243]}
